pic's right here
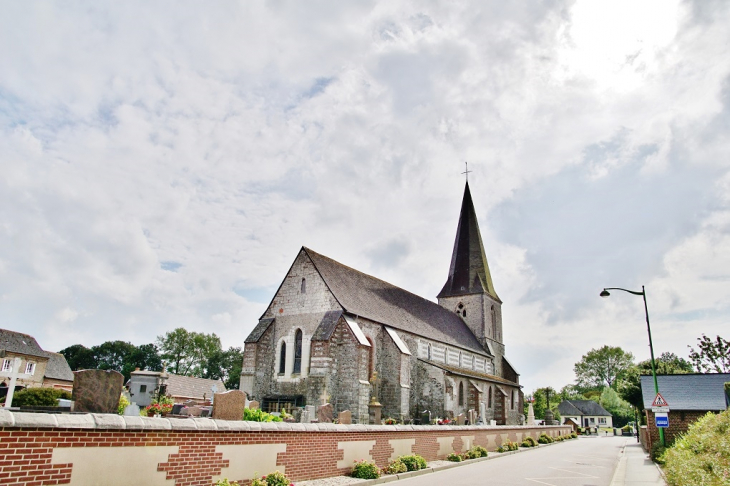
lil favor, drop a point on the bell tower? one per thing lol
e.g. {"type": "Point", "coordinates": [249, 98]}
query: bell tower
{"type": "Point", "coordinates": [469, 290]}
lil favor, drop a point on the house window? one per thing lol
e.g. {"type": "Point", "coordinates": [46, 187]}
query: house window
{"type": "Point", "coordinates": [7, 365]}
{"type": "Point", "coordinates": [29, 368]}
{"type": "Point", "coordinates": [304, 285]}
{"type": "Point", "coordinates": [282, 359]}
{"type": "Point", "coordinates": [298, 351]}
{"type": "Point", "coordinates": [143, 388]}
{"type": "Point", "coordinates": [601, 420]}
{"type": "Point", "coordinates": [461, 394]}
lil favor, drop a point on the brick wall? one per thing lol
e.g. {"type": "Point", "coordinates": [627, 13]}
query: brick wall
{"type": "Point", "coordinates": [86, 449]}
{"type": "Point", "coordinates": [679, 421]}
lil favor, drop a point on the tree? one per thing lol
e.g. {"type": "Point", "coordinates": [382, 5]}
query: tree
{"type": "Point", "coordinates": [570, 392]}
{"type": "Point", "coordinates": [713, 356]}
{"type": "Point", "coordinates": [620, 409]}
{"type": "Point", "coordinates": [602, 366]}
{"type": "Point", "coordinates": [144, 357]}
{"type": "Point", "coordinates": [226, 366]}
{"type": "Point", "coordinates": [189, 353]}
{"type": "Point", "coordinates": [540, 405]}
{"type": "Point", "coordinates": [79, 357]}
{"type": "Point", "coordinates": [629, 386]}
{"type": "Point", "coordinates": [112, 355]}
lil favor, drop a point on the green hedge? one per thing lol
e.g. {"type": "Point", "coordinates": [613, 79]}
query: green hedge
{"type": "Point", "coordinates": [39, 397]}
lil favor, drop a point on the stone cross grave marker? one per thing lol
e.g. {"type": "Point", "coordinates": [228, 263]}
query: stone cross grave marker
{"type": "Point", "coordinates": [97, 391]}
{"type": "Point", "coordinates": [229, 405]}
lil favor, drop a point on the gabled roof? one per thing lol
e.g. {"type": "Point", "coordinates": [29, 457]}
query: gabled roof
{"type": "Point", "coordinates": [469, 271]}
{"type": "Point", "coordinates": [192, 387]}
{"type": "Point", "coordinates": [366, 296]}
{"type": "Point", "coordinates": [694, 391]}
{"type": "Point", "coordinates": [19, 343]}
{"type": "Point", "coordinates": [57, 367]}
{"type": "Point", "coordinates": [582, 407]}
{"type": "Point", "coordinates": [259, 330]}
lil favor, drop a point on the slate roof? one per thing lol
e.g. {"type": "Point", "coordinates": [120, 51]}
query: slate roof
{"type": "Point", "coordinates": [469, 271]}
{"type": "Point", "coordinates": [259, 330]}
{"type": "Point", "coordinates": [191, 387]}
{"type": "Point", "coordinates": [694, 391]}
{"type": "Point", "coordinates": [582, 408]}
{"type": "Point", "coordinates": [470, 373]}
{"type": "Point", "coordinates": [369, 297]}
{"type": "Point", "coordinates": [17, 342]}
{"type": "Point", "coordinates": [57, 367]}
{"type": "Point", "coordinates": [327, 325]}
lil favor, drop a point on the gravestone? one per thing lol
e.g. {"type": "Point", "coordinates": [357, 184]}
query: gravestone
{"type": "Point", "coordinates": [192, 411]}
{"type": "Point", "coordinates": [229, 405]}
{"type": "Point", "coordinates": [309, 413]}
{"type": "Point", "coordinates": [482, 412]}
{"type": "Point", "coordinates": [530, 414]}
{"type": "Point", "coordinates": [253, 404]}
{"type": "Point", "coordinates": [304, 416]}
{"type": "Point", "coordinates": [426, 417]}
{"type": "Point", "coordinates": [132, 410]}
{"type": "Point", "coordinates": [471, 416]}
{"type": "Point", "coordinates": [325, 413]}
{"type": "Point", "coordinates": [460, 419]}
{"type": "Point", "coordinates": [345, 417]}
{"type": "Point", "coordinates": [97, 391]}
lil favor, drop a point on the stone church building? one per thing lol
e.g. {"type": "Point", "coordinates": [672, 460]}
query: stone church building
{"type": "Point", "coordinates": [329, 327]}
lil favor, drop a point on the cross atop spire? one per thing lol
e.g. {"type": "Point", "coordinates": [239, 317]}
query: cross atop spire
{"type": "Point", "coordinates": [467, 171]}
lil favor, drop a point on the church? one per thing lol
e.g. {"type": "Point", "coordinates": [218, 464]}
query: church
{"type": "Point", "coordinates": [330, 329]}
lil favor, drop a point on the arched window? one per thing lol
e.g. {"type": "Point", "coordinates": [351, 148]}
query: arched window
{"type": "Point", "coordinates": [298, 351]}
{"type": "Point", "coordinates": [304, 285]}
{"type": "Point", "coordinates": [494, 323]}
{"type": "Point", "coordinates": [282, 358]}
{"type": "Point", "coordinates": [489, 398]}
{"type": "Point", "coordinates": [461, 394]}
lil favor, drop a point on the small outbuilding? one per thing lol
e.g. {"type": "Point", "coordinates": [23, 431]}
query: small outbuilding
{"type": "Point", "coordinates": [587, 413]}
{"type": "Point", "coordinates": [689, 397]}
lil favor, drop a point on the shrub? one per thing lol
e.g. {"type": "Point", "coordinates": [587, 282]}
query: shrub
{"type": "Point", "coordinates": [123, 403]}
{"type": "Point", "coordinates": [365, 470]}
{"type": "Point", "coordinates": [702, 454]}
{"type": "Point", "coordinates": [225, 482]}
{"type": "Point", "coordinates": [413, 462]}
{"type": "Point", "coordinates": [529, 442]}
{"type": "Point", "coordinates": [545, 439]}
{"type": "Point", "coordinates": [390, 421]}
{"type": "Point", "coordinates": [508, 446]}
{"type": "Point", "coordinates": [476, 452]}
{"type": "Point", "coordinates": [395, 467]}
{"type": "Point", "coordinates": [657, 452]}
{"type": "Point", "coordinates": [454, 457]}
{"type": "Point", "coordinates": [275, 478]}
{"type": "Point", "coordinates": [573, 435]}
{"type": "Point", "coordinates": [258, 415]}
{"type": "Point", "coordinates": [39, 397]}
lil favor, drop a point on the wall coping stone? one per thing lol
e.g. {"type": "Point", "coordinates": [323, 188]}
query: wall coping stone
{"type": "Point", "coordinates": [11, 419]}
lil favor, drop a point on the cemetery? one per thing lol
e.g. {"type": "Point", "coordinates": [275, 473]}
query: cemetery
{"type": "Point", "coordinates": [96, 441]}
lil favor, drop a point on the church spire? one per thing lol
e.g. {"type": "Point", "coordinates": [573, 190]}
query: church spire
{"type": "Point", "coordinates": [469, 272]}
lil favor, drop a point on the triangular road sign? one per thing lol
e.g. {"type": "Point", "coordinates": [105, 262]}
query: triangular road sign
{"type": "Point", "coordinates": [659, 401]}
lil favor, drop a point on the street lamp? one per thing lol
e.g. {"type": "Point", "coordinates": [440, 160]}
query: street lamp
{"type": "Point", "coordinates": [605, 294]}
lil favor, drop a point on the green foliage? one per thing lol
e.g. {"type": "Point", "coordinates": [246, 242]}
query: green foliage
{"type": "Point", "coordinates": [545, 439]}
{"type": "Point", "coordinates": [476, 452]}
{"type": "Point", "coordinates": [39, 397]}
{"type": "Point", "coordinates": [79, 357]}
{"type": "Point", "coordinates": [702, 454]}
{"type": "Point", "coordinates": [529, 442]}
{"type": "Point", "coordinates": [275, 478]}
{"type": "Point", "coordinates": [454, 457]}
{"type": "Point", "coordinates": [712, 357]}
{"type": "Point", "coordinates": [123, 403]}
{"type": "Point", "coordinates": [225, 482]}
{"type": "Point", "coordinates": [620, 409]}
{"type": "Point", "coordinates": [365, 470]}
{"type": "Point", "coordinates": [395, 467]}
{"type": "Point", "coordinates": [541, 401]}
{"type": "Point", "coordinates": [413, 462]}
{"type": "Point", "coordinates": [573, 435]}
{"type": "Point", "coordinates": [508, 446]}
{"type": "Point", "coordinates": [188, 352]}
{"type": "Point", "coordinates": [119, 356]}
{"type": "Point", "coordinates": [258, 415]}
{"type": "Point", "coordinates": [601, 367]}
{"type": "Point", "coordinates": [657, 452]}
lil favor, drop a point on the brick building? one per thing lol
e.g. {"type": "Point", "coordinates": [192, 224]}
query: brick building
{"type": "Point", "coordinates": [689, 396]}
{"type": "Point", "coordinates": [329, 327]}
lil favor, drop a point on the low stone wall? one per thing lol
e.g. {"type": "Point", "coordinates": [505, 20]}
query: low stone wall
{"type": "Point", "coordinates": [90, 449]}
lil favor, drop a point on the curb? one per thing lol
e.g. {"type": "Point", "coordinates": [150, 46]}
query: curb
{"type": "Point", "coordinates": [395, 477]}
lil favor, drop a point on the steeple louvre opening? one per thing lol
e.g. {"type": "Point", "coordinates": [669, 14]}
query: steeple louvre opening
{"type": "Point", "coordinates": [469, 271]}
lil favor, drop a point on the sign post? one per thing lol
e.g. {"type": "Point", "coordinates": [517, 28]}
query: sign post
{"type": "Point", "coordinates": [660, 407]}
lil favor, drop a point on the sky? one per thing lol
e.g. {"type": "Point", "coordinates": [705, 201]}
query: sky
{"type": "Point", "coordinates": [162, 163]}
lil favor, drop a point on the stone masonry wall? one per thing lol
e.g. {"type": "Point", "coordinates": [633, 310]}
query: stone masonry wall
{"type": "Point", "coordinates": [89, 449]}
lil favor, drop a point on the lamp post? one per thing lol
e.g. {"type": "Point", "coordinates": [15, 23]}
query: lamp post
{"type": "Point", "coordinates": [604, 294]}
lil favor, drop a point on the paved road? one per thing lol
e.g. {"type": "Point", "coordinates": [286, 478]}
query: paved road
{"type": "Point", "coordinates": [588, 461]}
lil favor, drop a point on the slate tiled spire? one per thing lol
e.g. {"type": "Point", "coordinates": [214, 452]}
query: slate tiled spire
{"type": "Point", "coordinates": [469, 271]}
